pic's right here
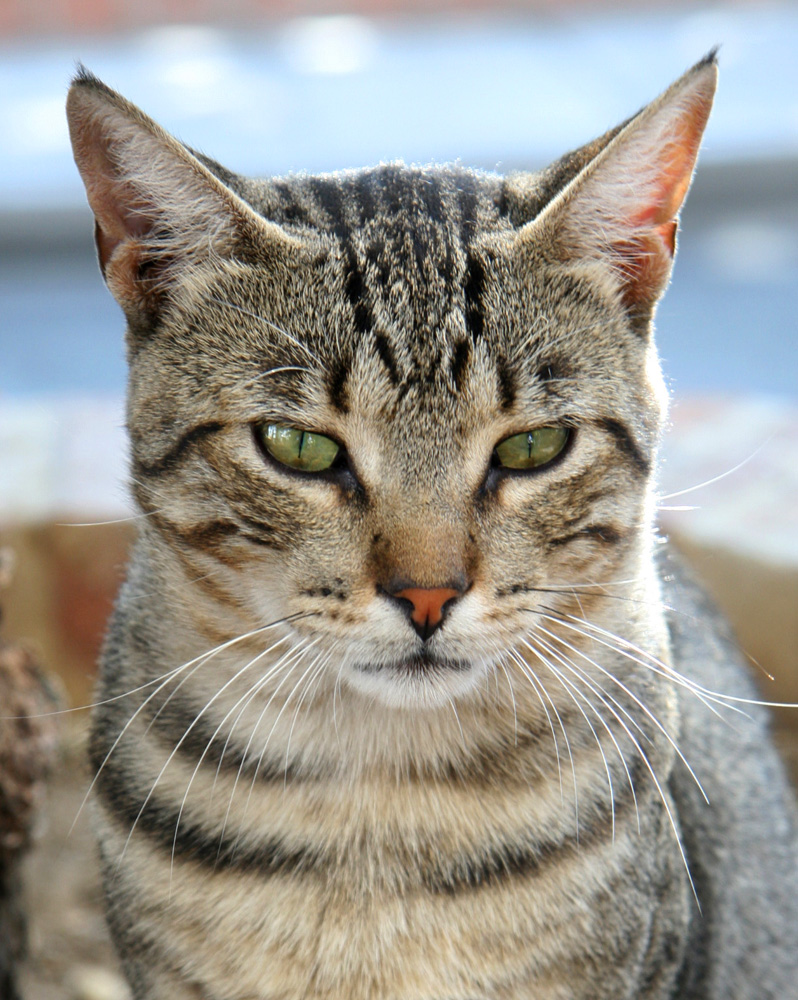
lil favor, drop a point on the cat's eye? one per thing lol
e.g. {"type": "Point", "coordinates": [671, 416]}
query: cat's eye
{"type": "Point", "coordinates": [531, 449]}
{"type": "Point", "coordinates": [305, 451]}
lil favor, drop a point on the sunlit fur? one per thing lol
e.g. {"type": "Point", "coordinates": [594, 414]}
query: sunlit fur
{"type": "Point", "coordinates": [298, 797]}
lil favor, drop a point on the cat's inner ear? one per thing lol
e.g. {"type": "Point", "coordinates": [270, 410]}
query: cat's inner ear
{"type": "Point", "coordinates": [622, 208]}
{"type": "Point", "coordinates": [157, 208]}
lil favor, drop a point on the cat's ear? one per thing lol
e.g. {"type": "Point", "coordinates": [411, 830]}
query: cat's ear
{"type": "Point", "coordinates": [158, 209]}
{"type": "Point", "coordinates": [622, 207]}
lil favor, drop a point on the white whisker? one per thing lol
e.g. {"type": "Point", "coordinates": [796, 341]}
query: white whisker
{"type": "Point", "coordinates": [570, 665]}
{"type": "Point", "coordinates": [666, 806]}
{"type": "Point", "coordinates": [291, 660]}
{"type": "Point", "coordinates": [646, 710]}
{"type": "Point", "coordinates": [574, 693]}
{"type": "Point", "coordinates": [177, 746]}
{"type": "Point", "coordinates": [723, 475]}
{"type": "Point", "coordinates": [195, 663]}
{"type": "Point", "coordinates": [540, 690]}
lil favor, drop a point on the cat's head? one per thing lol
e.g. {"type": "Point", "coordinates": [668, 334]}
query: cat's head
{"type": "Point", "coordinates": [412, 407]}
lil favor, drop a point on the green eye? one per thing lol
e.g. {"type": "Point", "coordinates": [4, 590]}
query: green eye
{"type": "Point", "coordinates": [302, 450]}
{"type": "Point", "coordinates": [532, 448]}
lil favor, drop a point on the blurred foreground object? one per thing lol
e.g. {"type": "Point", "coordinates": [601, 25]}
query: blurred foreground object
{"type": "Point", "coordinates": [28, 741]}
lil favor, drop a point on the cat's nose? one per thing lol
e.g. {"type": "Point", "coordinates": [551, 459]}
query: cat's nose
{"type": "Point", "coordinates": [426, 606]}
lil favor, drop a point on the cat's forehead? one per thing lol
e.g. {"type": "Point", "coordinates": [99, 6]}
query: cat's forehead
{"type": "Point", "coordinates": [410, 299]}
{"type": "Point", "coordinates": [402, 244]}
{"type": "Point", "coordinates": [445, 202]}
{"type": "Point", "coordinates": [406, 282]}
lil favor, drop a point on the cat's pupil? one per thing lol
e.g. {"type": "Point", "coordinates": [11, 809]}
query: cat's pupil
{"type": "Point", "coordinates": [305, 451]}
{"type": "Point", "coordinates": [532, 449]}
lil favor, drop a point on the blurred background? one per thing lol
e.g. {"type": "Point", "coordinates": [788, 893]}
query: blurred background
{"type": "Point", "coordinates": [268, 87]}
{"type": "Point", "coordinates": [265, 89]}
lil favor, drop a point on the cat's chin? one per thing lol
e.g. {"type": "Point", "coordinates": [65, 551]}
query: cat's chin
{"type": "Point", "coordinates": [419, 681]}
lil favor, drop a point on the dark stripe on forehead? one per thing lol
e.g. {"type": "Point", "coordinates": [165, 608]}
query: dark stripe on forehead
{"type": "Point", "coordinates": [461, 355]}
{"type": "Point", "coordinates": [433, 196]}
{"type": "Point", "coordinates": [355, 288]}
{"type": "Point", "coordinates": [337, 378]}
{"type": "Point", "coordinates": [396, 187]}
{"type": "Point", "coordinates": [332, 200]}
{"type": "Point", "coordinates": [502, 206]}
{"type": "Point", "coordinates": [474, 285]}
{"type": "Point", "coordinates": [507, 383]}
{"type": "Point", "coordinates": [365, 191]}
{"type": "Point", "coordinates": [626, 442]}
{"type": "Point", "coordinates": [378, 256]}
{"type": "Point", "coordinates": [429, 187]}
{"type": "Point", "coordinates": [328, 196]}
{"type": "Point", "coordinates": [291, 209]}
{"type": "Point", "coordinates": [385, 351]}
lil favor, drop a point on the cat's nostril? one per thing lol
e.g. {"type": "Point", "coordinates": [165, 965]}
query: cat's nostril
{"type": "Point", "coordinates": [426, 606]}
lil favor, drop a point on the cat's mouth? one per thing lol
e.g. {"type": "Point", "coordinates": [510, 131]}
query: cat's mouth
{"type": "Point", "coordinates": [420, 665]}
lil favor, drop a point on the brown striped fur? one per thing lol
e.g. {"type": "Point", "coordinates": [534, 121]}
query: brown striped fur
{"type": "Point", "coordinates": [299, 795]}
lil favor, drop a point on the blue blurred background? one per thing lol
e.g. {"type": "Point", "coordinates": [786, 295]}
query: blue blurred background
{"type": "Point", "coordinates": [267, 88]}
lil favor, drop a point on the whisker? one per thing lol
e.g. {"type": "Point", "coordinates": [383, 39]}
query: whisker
{"type": "Point", "coordinates": [283, 663]}
{"type": "Point", "coordinates": [275, 371]}
{"type": "Point", "coordinates": [661, 668]}
{"type": "Point", "coordinates": [295, 657]}
{"type": "Point", "coordinates": [569, 664]}
{"type": "Point", "coordinates": [245, 701]}
{"type": "Point", "coordinates": [156, 680]}
{"type": "Point", "coordinates": [115, 520]}
{"type": "Point", "coordinates": [666, 806]}
{"type": "Point", "coordinates": [646, 710]}
{"type": "Point", "coordinates": [177, 746]}
{"type": "Point", "coordinates": [195, 663]}
{"type": "Point", "coordinates": [188, 676]}
{"type": "Point", "coordinates": [244, 698]}
{"type": "Point", "coordinates": [723, 475]}
{"type": "Point", "coordinates": [459, 726]}
{"type": "Point", "coordinates": [262, 681]}
{"type": "Point", "coordinates": [312, 682]}
{"type": "Point", "coordinates": [336, 689]}
{"type": "Point", "coordinates": [540, 690]}
{"type": "Point", "coordinates": [259, 761]}
{"type": "Point", "coordinates": [512, 698]}
{"type": "Point", "coordinates": [572, 691]}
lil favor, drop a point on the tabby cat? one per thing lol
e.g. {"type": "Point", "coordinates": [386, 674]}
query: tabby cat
{"type": "Point", "coordinates": [402, 698]}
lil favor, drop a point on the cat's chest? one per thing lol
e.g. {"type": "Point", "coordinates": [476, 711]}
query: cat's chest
{"type": "Point", "coordinates": [423, 892]}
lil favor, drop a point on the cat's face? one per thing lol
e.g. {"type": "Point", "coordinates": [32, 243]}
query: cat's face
{"type": "Point", "coordinates": [418, 393]}
{"type": "Point", "coordinates": [425, 326]}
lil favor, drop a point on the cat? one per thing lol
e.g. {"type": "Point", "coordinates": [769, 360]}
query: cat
{"type": "Point", "coordinates": [402, 698]}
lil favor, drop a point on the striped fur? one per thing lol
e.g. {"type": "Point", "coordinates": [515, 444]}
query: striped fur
{"type": "Point", "coordinates": [297, 795]}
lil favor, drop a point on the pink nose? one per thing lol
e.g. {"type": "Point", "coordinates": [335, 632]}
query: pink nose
{"type": "Point", "coordinates": [428, 603]}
